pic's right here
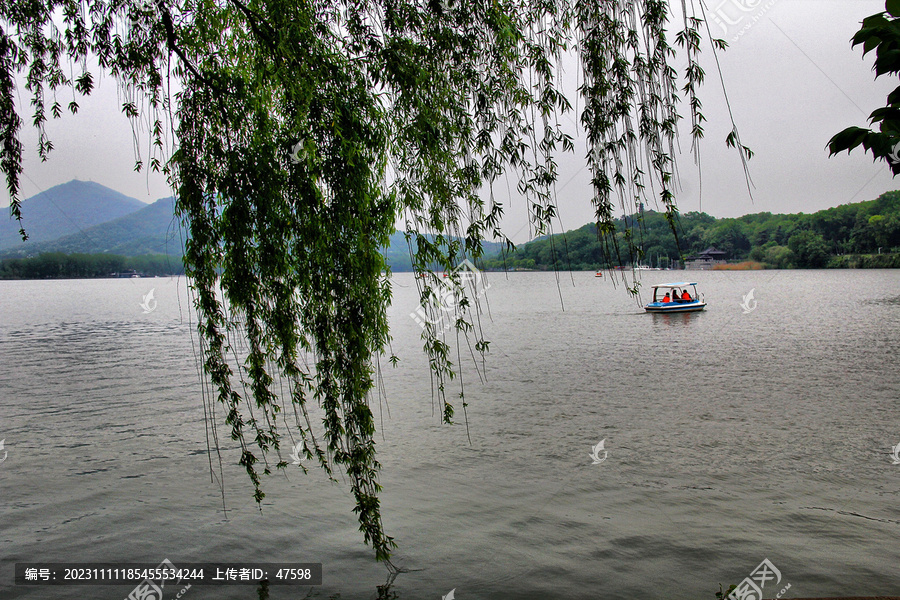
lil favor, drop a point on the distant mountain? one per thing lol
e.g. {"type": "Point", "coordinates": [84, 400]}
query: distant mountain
{"type": "Point", "coordinates": [97, 220]}
{"type": "Point", "coordinates": [397, 254]}
{"type": "Point", "coordinates": [65, 209]}
{"type": "Point", "coordinates": [150, 230]}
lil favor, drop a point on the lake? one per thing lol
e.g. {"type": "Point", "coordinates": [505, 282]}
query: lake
{"type": "Point", "coordinates": [731, 436]}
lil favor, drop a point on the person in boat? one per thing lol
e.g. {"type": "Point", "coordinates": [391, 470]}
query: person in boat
{"type": "Point", "coordinates": [685, 296]}
{"type": "Point", "coordinates": [676, 297]}
{"type": "Point", "coordinates": [666, 298]}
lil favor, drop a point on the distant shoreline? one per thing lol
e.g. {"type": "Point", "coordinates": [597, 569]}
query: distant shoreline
{"type": "Point", "coordinates": [602, 270]}
{"type": "Point", "coordinates": [57, 265]}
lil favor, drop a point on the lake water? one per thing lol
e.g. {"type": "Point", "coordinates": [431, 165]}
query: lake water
{"type": "Point", "coordinates": [733, 436]}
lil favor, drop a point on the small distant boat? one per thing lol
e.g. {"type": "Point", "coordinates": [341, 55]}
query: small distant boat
{"type": "Point", "coordinates": [127, 274]}
{"type": "Point", "coordinates": [598, 274]}
{"type": "Point", "coordinates": [675, 303]}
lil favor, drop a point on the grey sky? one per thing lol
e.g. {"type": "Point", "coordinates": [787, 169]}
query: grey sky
{"type": "Point", "coordinates": [793, 82]}
{"type": "Point", "coordinates": [791, 76]}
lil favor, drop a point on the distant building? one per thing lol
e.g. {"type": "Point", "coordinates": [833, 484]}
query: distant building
{"type": "Point", "coordinates": [126, 274]}
{"type": "Point", "coordinates": [705, 260]}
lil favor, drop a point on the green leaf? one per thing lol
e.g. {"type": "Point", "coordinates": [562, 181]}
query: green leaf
{"type": "Point", "coordinates": [847, 139]}
{"type": "Point", "coordinates": [893, 7]}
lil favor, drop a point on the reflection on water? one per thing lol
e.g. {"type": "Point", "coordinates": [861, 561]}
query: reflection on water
{"type": "Point", "coordinates": [731, 436]}
{"type": "Point", "coordinates": [893, 300]}
{"type": "Point", "coordinates": [676, 319]}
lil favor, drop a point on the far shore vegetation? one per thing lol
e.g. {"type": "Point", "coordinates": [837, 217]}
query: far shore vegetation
{"type": "Point", "coordinates": [858, 235]}
{"type": "Point", "coordinates": [863, 235]}
{"type": "Point", "coordinates": [56, 265]}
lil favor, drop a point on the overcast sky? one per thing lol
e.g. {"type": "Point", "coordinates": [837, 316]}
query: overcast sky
{"type": "Point", "coordinates": [792, 79]}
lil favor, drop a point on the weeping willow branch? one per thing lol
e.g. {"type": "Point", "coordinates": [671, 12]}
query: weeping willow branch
{"type": "Point", "coordinates": [306, 130]}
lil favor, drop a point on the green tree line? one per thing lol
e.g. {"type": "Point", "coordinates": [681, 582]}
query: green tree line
{"type": "Point", "coordinates": [843, 236]}
{"type": "Point", "coordinates": [835, 237]}
{"type": "Point", "coordinates": [56, 265]}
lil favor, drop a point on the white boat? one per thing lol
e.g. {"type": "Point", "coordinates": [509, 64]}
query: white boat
{"type": "Point", "coordinates": [667, 302]}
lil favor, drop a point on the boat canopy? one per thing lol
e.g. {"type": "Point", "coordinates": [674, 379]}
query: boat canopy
{"type": "Point", "coordinates": [674, 285]}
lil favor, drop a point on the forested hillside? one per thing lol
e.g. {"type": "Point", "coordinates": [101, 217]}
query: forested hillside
{"type": "Point", "coordinates": [56, 265]}
{"type": "Point", "coordinates": [864, 234]}
{"type": "Point", "coordinates": [64, 210]}
{"type": "Point", "coordinates": [833, 237]}
{"type": "Point", "coordinates": [153, 229]}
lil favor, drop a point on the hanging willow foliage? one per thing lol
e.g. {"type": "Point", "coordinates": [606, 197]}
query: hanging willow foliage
{"type": "Point", "coordinates": [305, 130]}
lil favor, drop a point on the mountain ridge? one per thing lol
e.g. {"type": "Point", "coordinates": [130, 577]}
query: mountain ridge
{"type": "Point", "coordinates": [150, 230]}
{"type": "Point", "coordinates": [66, 209]}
